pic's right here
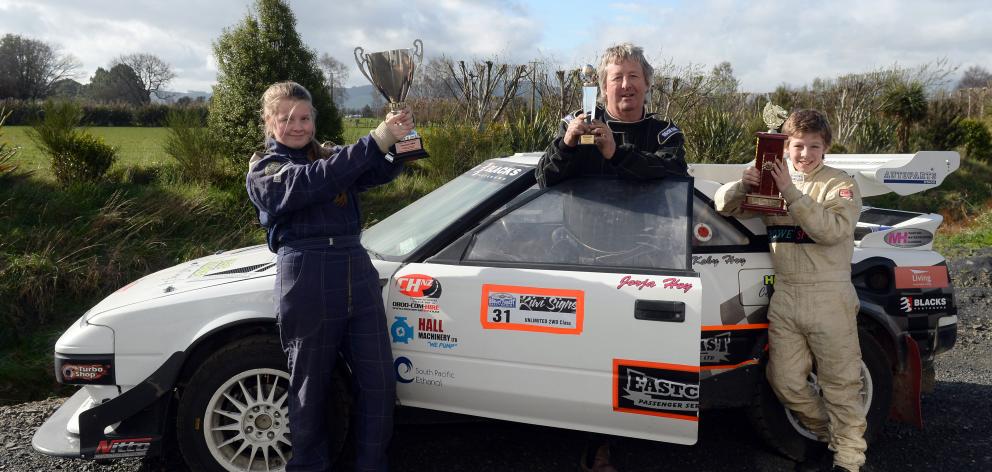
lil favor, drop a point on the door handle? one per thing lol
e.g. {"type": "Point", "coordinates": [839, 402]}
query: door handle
{"type": "Point", "coordinates": [659, 310]}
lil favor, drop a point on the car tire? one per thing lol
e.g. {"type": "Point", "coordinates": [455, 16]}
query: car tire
{"type": "Point", "coordinates": [224, 424]}
{"type": "Point", "coordinates": [780, 430]}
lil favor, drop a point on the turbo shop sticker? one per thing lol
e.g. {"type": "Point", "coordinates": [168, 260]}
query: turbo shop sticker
{"type": "Point", "coordinates": [651, 388]}
{"type": "Point", "coordinates": [546, 310]}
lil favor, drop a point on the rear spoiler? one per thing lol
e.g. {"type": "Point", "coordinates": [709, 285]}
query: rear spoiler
{"type": "Point", "coordinates": [876, 174]}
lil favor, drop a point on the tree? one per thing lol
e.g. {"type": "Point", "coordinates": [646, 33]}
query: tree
{"type": "Point", "coordinates": [120, 83]}
{"type": "Point", "coordinates": [975, 77]}
{"type": "Point", "coordinates": [477, 87]}
{"type": "Point", "coordinates": [67, 88]}
{"type": "Point", "coordinates": [153, 72]}
{"type": "Point", "coordinates": [263, 49]}
{"type": "Point", "coordinates": [337, 76]}
{"type": "Point", "coordinates": [907, 104]}
{"type": "Point", "coordinates": [29, 67]}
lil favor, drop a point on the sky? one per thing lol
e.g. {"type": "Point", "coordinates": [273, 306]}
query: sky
{"type": "Point", "coordinates": [767, 42]}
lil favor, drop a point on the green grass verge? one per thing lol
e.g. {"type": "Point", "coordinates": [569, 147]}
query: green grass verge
{"type": "Point", "coordinates": [135, 147]}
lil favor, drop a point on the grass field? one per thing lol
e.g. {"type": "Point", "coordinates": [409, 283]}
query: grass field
{"type": "Point", "coordinates": [135, 146]}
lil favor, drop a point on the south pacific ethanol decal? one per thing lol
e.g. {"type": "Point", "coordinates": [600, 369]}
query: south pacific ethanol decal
{"type": "Point", "coordinates": [546, 310]}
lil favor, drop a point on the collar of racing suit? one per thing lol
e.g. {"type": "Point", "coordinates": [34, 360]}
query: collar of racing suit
{"type": "Point", "coordinates": [275, 147]}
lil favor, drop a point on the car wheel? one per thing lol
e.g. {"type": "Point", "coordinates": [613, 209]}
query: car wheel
{"type": "Point", "coordinates": [232, 414]}
{"type": "Point", "coordinates": [780, 429]}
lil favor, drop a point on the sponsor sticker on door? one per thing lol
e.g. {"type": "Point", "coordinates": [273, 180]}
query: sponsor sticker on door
{"type": "Point", "coordinates": [656, 389]}
{"type": "Point", "coordinates": [545, 310]}
{"type": "Point", "coordinates": [921, 277]}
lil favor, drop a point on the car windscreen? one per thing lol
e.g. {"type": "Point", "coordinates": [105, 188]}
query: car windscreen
{"type": "Point", "coordinates": [406, 230]}
{"type": "Point", "coordinates": [595, 223]}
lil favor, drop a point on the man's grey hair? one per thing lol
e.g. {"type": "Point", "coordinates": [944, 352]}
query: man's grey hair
{"type": "Point", "coordinates": [620, 53]}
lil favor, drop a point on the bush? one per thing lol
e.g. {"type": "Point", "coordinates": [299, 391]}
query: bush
{"type": "Point", "coordinates": [532, 132]}
{"type": "Point", "coordinates": [455, 149]}
{"type": "Point", "coordinates": [875, 136]}
{"type": "Point", "coordinates": [714, 136]}
{"type": "Point", "coordinates": [977, 140]}
{"type": "Point", "coordinates": [192, 145]}
{"type": "Point", "coordinates": [110, 114]}
{"type": "Point", "coordinates": [941, 129]}
{"type": "Point", "coordinates": [6, 153]}
{"type": "Point", "coordinates": [76, 155]}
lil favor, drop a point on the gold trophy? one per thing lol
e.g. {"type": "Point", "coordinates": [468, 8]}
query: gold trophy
{"type": "Point", "coordinates": [590, 92]}
{"type": "Point", "coordinates": [766, 197]}
{"type": "Point", "coordinates": [391, 73]}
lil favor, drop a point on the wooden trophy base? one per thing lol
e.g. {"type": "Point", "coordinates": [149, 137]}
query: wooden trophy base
{"type": "Point", "coordinates": [772, 204]}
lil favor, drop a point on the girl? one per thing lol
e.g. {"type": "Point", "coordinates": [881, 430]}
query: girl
{"type": "Point", "coordinates": [328, 298]}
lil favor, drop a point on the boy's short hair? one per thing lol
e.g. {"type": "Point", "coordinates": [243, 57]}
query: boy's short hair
{"type": "Point", "coordinates": [808, 121]}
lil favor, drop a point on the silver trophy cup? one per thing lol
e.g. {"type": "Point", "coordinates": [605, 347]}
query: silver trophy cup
{"type": "Point", "coordinates": [391, 73]}
{"type": "Point", "coordinates": [590, 92]}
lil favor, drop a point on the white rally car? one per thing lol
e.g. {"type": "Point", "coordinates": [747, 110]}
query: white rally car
{"type": "Point", "coordinates": [620, 307]}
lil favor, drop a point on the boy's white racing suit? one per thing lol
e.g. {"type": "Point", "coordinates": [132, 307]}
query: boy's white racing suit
{"type": "Point", "coordinates": [812, 314]}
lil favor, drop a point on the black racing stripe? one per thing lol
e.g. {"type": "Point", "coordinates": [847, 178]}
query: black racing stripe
{"type": "Point", "coordinates": [788, 234]}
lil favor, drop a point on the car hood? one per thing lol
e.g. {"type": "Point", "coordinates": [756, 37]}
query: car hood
{"type": "Point", "coordinates": [221, 268]}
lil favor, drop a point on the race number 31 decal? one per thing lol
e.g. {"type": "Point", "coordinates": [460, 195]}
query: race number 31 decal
{"type": "Point", "coordinates": [547, 310]}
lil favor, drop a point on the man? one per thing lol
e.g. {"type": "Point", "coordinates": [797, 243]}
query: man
{"type": "Point", "coordinates": [813, 312]}
{"type": "Point", "coordinates": [629, 143]}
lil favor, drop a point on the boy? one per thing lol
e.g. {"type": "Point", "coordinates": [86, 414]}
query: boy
{"type": "Point", "coordinates": [812, 314]}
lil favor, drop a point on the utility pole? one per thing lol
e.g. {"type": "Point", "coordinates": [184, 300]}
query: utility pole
{"type": "Point", "coordinates": [533, 87]}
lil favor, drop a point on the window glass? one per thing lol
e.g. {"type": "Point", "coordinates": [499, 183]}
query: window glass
{"type": "Point", "coordinates": [711, 229]}
{"type": "Point", "coordinates": [595, 222]}
{"type": "Point", "coordinates": [408, 229]}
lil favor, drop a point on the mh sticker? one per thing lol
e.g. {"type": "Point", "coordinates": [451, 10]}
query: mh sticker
{"type": "Point", "coordinates": [545, 310]}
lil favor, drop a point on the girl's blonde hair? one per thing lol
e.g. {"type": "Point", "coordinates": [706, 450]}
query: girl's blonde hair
{"type": "Point", "coordinates": [276, 93]}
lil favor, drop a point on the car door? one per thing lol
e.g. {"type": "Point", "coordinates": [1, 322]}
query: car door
{"type": "Point", "coordinates": [575, 308]}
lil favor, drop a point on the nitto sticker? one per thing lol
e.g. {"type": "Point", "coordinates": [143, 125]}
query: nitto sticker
{"type": "Point", "coordinates": [912, 237]}
{"type": "Point", "coordinates": [921, 277]}
{"type": "Point", "coordinates": [419, 286]}
{"type": "Point", "coordinates": [116, 448]}
{"type": "Point", "coordinates": [650, 388]}
{"type": "Point", "coordinates": [548, 310]}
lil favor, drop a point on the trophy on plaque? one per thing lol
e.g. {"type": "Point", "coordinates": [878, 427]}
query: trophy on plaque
{"type": "Point", "coordinates": [590, 92]}
{"type": "Point", "coordinates": [770, 148]}
{"type": "Point", "coordinates": [391, 73]}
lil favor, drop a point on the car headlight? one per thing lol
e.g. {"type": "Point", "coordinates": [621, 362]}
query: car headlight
{"type": "Point", "coordinates": [84, 355]}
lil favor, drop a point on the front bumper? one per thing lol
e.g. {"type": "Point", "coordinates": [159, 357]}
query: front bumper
{"type": "Point", "coordinates": [141, 413]}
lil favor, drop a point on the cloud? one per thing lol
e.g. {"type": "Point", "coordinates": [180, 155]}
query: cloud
{"type": "Point", "coordinates": [767, 42]}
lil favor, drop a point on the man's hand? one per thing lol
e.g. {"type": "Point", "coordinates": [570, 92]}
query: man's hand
{"type": "Point", "coordinates": [577, 127]}
{"type": "Point", "coordinates": [781, 176]}
{"type": "Point", "coordinates": [603, 138]}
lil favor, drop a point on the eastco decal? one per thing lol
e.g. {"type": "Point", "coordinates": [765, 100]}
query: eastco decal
{"type": "Point", "coordinates": [911, 237]}
{"type": "Point", "coordinates": [924, 303]}
{"type": "Point", "coordinates": [406, 373]}
{"type": "Point", "coordinates": [909, 177]}
{"type": "Point", "coordinates": [116, 448]}
{"type": "Point", "coordinates": [548, 310]}
{"type": "Point", "coordinates": [419, 286]}
{"type": "Point", "coordinates": [921, 277]}
{"type": "Point", "coordinates": [650, 388]}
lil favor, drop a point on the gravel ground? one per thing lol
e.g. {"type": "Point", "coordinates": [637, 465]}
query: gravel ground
{"type": "Point", "coordinates": [957, 434]}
